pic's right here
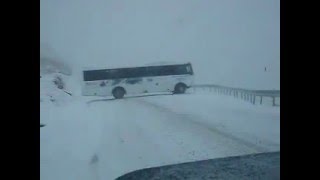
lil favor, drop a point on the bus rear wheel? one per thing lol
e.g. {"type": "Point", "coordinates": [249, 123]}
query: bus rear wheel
{"type": "Point", "coordinates": [180, 88]}
{"type": "Point", "coordinates": [118, 93]}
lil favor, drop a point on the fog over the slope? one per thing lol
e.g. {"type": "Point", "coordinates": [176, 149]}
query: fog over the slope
{"type": "Point", "coordinates": [229, 42]}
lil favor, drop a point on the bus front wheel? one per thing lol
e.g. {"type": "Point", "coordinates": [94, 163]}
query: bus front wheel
{"type": "Point", "coordinates": [180, 88]}
{"type": "Point", "coordinates": [118, 93]}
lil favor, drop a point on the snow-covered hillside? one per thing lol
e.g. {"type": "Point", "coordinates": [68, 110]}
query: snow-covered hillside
{"type": "Point", "coordinates": [53, 91]}
{"type": "Point", "coordinates": [51, 63]}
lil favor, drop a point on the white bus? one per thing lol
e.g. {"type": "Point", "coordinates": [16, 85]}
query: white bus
{"type": "Point", "coordinates": [118, 82]}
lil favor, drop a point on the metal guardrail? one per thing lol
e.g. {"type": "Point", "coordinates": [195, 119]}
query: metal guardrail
{"type": "Point", "coordinates": [244, 94]}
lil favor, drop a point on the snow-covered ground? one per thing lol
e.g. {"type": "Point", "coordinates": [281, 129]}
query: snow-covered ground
{"type": "Point", "coordinates": [101, 138]}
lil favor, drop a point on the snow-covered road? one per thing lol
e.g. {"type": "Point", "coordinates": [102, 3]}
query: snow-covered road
{"type": "Point", "coordinates": [97, 138]}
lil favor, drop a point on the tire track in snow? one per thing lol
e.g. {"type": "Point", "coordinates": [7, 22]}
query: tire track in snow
{"type": "Point", "coordinates": [226, 139]}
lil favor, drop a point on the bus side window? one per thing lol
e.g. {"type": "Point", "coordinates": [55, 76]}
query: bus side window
{"type": "Point", "coordinates": [167, 70]}
{"type": "Point", "coordinates": [153, 71]}
{"type": "Point", "coordinates": [113, 73]}
{"type": "Point", "coordinates": [180, 70]}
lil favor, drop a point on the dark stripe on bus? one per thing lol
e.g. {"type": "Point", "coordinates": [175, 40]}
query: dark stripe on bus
{"type": "Point", "coordinates": [104, 74]}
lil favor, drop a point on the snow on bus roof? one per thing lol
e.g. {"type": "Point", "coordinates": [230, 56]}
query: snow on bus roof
{"type": "Point", "coordinates": [132, 66]}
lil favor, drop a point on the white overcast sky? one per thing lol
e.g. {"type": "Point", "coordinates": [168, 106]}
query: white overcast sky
{"type": "Point", "coordinates": [229, 42]}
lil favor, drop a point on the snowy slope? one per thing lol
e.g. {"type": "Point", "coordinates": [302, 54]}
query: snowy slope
{"type": "Point", "coordinates": [94, 138]}
{"type": "Point", "coordinates": [50, 62]}
{"type": "Point", "coordinates": [49, 90]}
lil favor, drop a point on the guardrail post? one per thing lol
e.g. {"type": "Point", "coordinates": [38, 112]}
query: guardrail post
{"type": "Point", "coordinates": [273, 101]}
{"type": "Point", "coordinates": [260, 99]}
{"type": "Point", "coordinates": [254, 99]}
